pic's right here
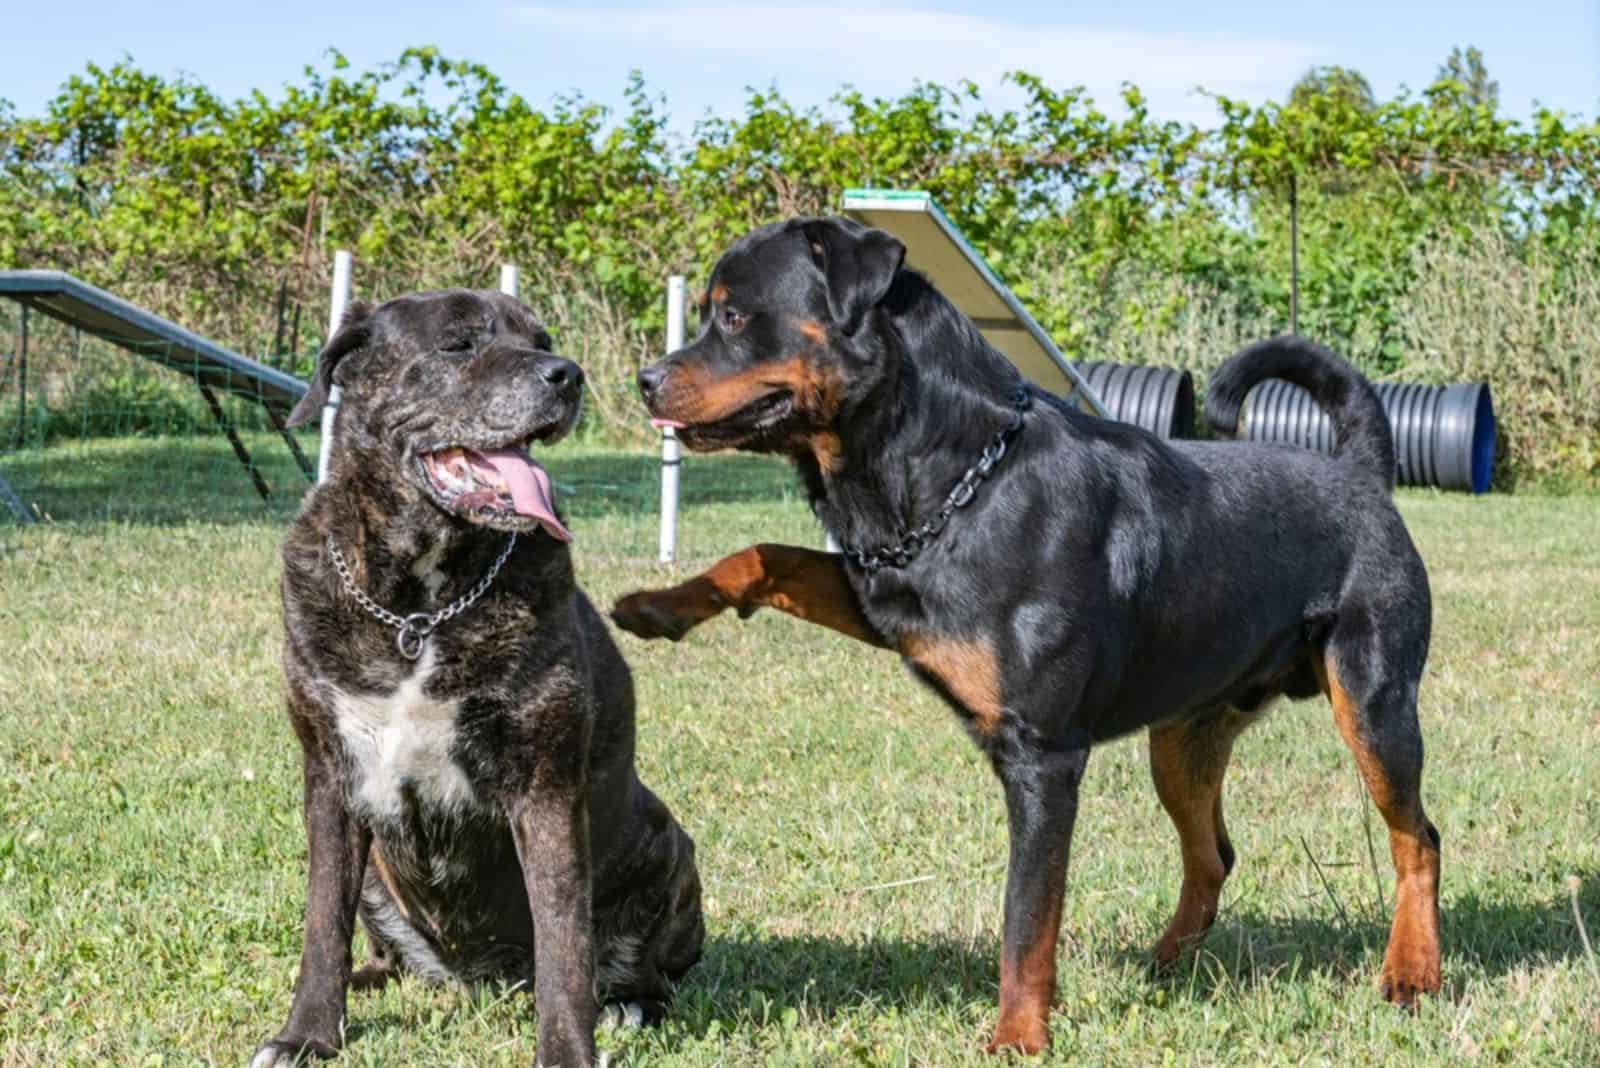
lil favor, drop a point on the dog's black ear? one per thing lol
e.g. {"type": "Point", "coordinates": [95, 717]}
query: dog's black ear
{"type": "Point", "coordinates": [355, 329]}
{"type": "Point", "coordinates": [859, 264]}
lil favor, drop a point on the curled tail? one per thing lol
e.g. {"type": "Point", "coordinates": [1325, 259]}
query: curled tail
{"type": "Point", "coordinates": [1359, 421]}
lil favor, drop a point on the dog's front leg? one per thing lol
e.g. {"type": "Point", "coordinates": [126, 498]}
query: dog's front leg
{"type": "Point", "coordinates": [1041, 807]}
{"type": "Point", "coordinates": [804, 583]}
{"type": "Point", "coordinates": [550, 824]}
{"type": "Point", "coordinates": [338, 846]}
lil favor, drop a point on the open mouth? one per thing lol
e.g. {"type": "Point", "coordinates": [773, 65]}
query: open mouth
{"type": "Point", "coordinates": [756, 418]}
{"type": "Point", "coordinates": [498, 487]}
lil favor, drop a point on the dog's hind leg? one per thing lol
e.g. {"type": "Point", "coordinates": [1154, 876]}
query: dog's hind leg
{"type": "Point", "coordinates": [1187, 762]}
{"type": "Point", "coordinates": [1374, 696]}
{"type": "Point", "coordinates": [380, 914]}
{"type": "Point", "coordinates": [382, 966]}
{"type": "Point", "coordinates": [649, 928]}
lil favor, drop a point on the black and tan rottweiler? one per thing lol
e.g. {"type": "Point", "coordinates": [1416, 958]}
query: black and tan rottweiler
{"type": "Point", "coordinates": [1062, 580]}
{"type": "Point", "coordinates": [466, 721]}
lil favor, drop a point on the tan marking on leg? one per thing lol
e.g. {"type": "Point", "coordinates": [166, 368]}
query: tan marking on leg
{"type": "Point", "coordinates": [1027, 989]}
{"type": "Point", "coordinates": [1189, 785]}
{"type": "Point", "coordinates": [1411, 962]}
{"type": "Point", "coordinates": [968, 671]}
{"type": "Point", "coordinates": [804, 583]}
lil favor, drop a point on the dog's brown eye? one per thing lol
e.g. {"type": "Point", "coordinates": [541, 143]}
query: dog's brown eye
{"type": "Point", "coordinates": [732, 321]}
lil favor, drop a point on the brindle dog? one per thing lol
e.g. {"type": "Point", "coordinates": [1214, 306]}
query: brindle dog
{"type": "Point", "coordinates": [469, 780]}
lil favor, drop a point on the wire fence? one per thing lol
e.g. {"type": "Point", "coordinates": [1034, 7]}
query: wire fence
{"type": "Point", "coordinates": [95, 430]}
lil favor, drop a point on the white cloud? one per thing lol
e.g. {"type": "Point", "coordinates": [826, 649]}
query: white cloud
{"type": "Point", "coordinates": [816, 47]}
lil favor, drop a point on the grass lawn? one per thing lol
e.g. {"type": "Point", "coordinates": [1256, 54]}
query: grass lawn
{"type": "Point", "coordinates": [851, 842]}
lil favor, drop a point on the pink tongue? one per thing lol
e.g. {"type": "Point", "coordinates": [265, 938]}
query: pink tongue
{"type": "Point", "coordinates": [529, 485]}
{"type": "Point", "coordinates": [660, 424]}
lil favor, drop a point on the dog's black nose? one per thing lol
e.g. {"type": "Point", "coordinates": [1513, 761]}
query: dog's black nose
{"type": "Point", "coordinates": [560, 373]}
{"type": "Point", "coordinates": [650, 379]}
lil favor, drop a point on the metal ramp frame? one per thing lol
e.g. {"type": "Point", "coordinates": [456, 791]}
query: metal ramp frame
{"type": "Point", "coordinates": [936, 248]}
{"type": "Point", "coordinates": [212, 367]}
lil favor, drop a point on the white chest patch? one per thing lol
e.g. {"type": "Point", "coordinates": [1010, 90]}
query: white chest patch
{"type": "Point", "coordinates": [400, 740]}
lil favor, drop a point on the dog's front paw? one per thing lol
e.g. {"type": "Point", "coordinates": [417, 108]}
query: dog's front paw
{"type": "Point", "coordinates": [1027, 1035]}
{"type": "Point", "coordinates": [651, 614]}
{"type": "Point", "coordinates": [287, 1051]}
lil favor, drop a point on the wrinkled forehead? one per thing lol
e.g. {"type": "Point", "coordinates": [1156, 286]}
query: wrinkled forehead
{"type": "Point", "coordinates": [453, 312]}
{"type": "Point", "coordinates": [771, 260]}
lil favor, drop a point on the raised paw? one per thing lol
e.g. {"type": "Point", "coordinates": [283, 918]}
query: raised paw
{"type": "Point", "coordinates": [653, 614]}
{"type": "Point", "coordinates": [289, 1052]}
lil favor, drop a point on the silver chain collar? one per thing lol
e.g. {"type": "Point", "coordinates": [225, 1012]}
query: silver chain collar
{"type": "Point", "coordinates": [907, 548]}
{"type": "Point", "coordinates": [413, 630]}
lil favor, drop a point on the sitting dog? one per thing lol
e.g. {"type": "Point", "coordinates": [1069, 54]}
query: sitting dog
{"type": "Point", "coordinates": [467, 722]}
{"type": "Point", "coordinates": [1062, 580]}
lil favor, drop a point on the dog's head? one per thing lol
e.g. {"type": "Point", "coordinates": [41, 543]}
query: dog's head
{"type": "Point", "coordinates": [448, 392]}
{"type": "Point", "coordinates": [782, 348]}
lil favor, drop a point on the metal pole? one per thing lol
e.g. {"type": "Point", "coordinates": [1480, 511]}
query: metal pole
{"type": "Point", "coordinates": [275, 357]}
{"type": "Point", "coordinates": [8, 496]}
{"type": "Point", "coordinates": [233, 439]}
{"type": "Point", "coordinates": [508, 279]}
{"type": "Point", "coordinates": [670, 456]}
{"type": "Point", "coordinates": [339, 299]}
{"type": "Point", "coordinates": [22, 383]}
{"type": "Point", "coordinates": [1294, 257]}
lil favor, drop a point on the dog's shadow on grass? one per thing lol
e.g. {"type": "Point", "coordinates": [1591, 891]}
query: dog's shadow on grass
{"type": "Point", "coordinates": [1480, 936]}
{"type": "Point", "coordinates": [754, 981]}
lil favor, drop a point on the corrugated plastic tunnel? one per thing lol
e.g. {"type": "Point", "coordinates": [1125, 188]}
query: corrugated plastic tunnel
{"type": "Point", "coordinates": [1158, 399]}
{"type": "Point", "coordinates": [1443, 435]}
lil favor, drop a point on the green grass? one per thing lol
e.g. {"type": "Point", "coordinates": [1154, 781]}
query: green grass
{"type": "Point", "coordinates": [851, 842]}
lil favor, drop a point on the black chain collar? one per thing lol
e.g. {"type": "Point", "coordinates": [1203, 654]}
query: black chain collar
{"type": "Point", "coordinates": [906, 550]}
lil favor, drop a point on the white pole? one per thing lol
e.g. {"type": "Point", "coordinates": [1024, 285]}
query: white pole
{"type": "Point", "coordinates": [338, 301]}
{"type": "Point", "coordinates": [669, 440]}
{"type": "Point", "coordinates": [508, 279]}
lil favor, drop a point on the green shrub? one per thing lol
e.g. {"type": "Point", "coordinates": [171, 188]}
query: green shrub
{"type": "Point", "coordinates": [1129, 237]}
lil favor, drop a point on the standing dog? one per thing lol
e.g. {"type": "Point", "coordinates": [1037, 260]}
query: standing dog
{"type": "Point", "coordinates": [467, 722]}
{"type": "Point", "coordinates": [1062, 580]}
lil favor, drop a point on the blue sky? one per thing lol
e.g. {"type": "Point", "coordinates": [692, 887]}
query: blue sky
{"type": "Point", "coordinates": [702, 53]}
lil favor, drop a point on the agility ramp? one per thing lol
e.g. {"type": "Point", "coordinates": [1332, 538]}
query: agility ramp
{"type": "Point", "coordinates": [64, 320]}
{"type": "Point", "coordinates": [936, 248]}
